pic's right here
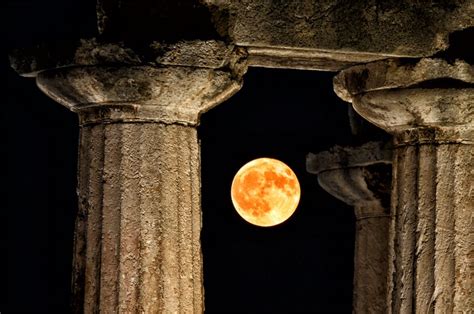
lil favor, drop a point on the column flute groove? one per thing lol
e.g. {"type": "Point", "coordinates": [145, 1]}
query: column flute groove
{"type": "Point", "coordinates": [425, 228]}
{"type": "Point", "coordinates": [431, 254]}
{"type": "Point", "coordinates": [95, 143]}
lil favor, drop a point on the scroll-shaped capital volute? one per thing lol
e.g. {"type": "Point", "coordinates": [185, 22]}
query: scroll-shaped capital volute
{"type": "Point", "coordinates": [183, 81]}
{"type": "Point", "coordinates": [399, 95]}
{"type": "Point", "coordinates": [358, 176]}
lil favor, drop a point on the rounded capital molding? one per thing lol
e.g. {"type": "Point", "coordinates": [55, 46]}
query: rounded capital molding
{"type": "Point", "coordinates": [168, 94]}
{"type": "Point", "coordinates": [358, 176]}
{"type": "Point", "coordinates": [397, 74]}
{"type": "Point", "coordinates": [107, 82]}
{"type": "Point", "coordinates": [397, 110]}
{"type": "Point", "coordinates": [398, 95]}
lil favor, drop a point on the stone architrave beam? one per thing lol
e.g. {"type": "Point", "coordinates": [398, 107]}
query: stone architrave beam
{"type": "Point", "coordinates": [428, 105]}
{"type": "Point", "coordinates": [331, 35]}
{"type": "Point", "coordinates": [360, 177]}
{"type": "Point", "coordinates": [137, 238]}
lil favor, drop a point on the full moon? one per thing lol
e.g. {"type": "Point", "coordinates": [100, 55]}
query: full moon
{"type": "Point", "coordinates": [265, 192]}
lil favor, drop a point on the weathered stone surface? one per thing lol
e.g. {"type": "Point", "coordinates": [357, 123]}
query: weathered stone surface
{"type": "Point", "coordinates": [208, 54]}
{"type": "Point", "coordinates": [360, 177]}
{"type": "Point", "coordinates": [137, 239]}
{"type": "Point", "coordinates": [345, 157]}
{"type": "Point", "coordinates": [397, 110]}
{"type": "Point", "coordinates": [109, 82]}
{"type": "Point", "coordinates": [306, 59]}
{"type": "Point", "coordinates": [371, 261]}
{"type": "Point", "coordinates": [137, 245]}
{"type": "Point", "coordinates": [397, 96]}
{"type": "Point", "coordinates": [432, 230]}
{"type": "Point", "coordinates": [365, 131]}
{"type": "Point", "coordinates": [328, 35]}
{"type": "Point", "coordinates": [431, 247]}
{"type": "Point", "coordinates": [342, 29]}
{"type": "Point", "coordinates": [92, 52]}
{"type": "Point", "coordinates": [399, 73]}
{"type": "Point", "coordinates": [138, 93]}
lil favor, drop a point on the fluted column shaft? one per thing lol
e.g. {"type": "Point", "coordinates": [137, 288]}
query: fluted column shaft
{"type": "Point", "coordinates": [432, 230]}
{"type": "Point", "coordinates": [428, 106]}
{"type": "Point", "coordinates": [137, 246]}
{"type": "Point", "coordinates": [371, 260]}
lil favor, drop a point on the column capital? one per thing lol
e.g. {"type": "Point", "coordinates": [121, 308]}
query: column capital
{"type": "Point", "coordinates": [360, 176]}
{"type": "Point", "coordinates": [401, 96]}
{"type": "Point", "coordinates": [356, 175]}
{"type": "Point", "coordinates": [108, 82]}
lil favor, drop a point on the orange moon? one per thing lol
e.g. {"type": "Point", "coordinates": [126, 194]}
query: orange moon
{"type": "Point", "coordinates": [265, 192]}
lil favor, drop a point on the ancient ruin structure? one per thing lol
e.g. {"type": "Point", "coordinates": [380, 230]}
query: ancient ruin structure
{"type": "Point", "coordinates": [361, 178]}
{"type": "Point", "coordinates": [139, 89]}
{"type": "Point", "coordinates": [427, 105]}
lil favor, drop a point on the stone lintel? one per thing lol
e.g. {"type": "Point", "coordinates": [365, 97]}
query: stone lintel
{"type": "Point", "coordinates": [307, 59]}
{"type": "Point", "coordinates": [390, 28]}
{"type": "Point", "coordinates": [326, 35]}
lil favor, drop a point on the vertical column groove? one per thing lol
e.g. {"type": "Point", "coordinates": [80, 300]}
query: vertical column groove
{"type": "Point", "coordinates": [370, 260]}
{"type": "Point", "coordinates": [96, 145]}
{"type": "Point", "coordinates": [425, 233]}
{"type": "Point", "coordinates": [80, 244]}
{"type": "Point", "coordinates": [112, 207]}
{"type": "Point", "coordinates": [129, 223]}
{"type": "Point", "coordinates": [432, 231]}
{"type": "Point", "coordinates": [405, 223]}
{"type": "Point", "coordinates": [464, 229]}
{"type": "Point", "coordinates": [392, 237]}
{"type": "Point", "coordinates": [444, 231]}
{"type": "Point", "coordinates": [141, 230]}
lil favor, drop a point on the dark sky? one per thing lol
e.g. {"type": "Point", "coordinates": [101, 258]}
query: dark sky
{"type": "Point", "coordinates": [304, 265]}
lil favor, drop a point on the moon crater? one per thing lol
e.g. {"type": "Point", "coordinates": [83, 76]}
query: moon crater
{"type": "Point", "coordinates": [265, 192]}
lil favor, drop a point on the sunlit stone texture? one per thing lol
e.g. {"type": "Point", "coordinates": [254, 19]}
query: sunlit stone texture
{"type": "Point", "coordinates": [360, 177]}
{"type": "Point", "coordinates": [428, 105]}
{"type": "Point", "coordinates": [137, 239]}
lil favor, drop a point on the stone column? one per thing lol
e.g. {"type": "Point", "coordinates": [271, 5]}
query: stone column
{"type": "Point", "coordinates": [360, 177]}
{"type": "Point", "coordinates": [428, 106]}
{"type": "Point", "coordinates": [137, 238]}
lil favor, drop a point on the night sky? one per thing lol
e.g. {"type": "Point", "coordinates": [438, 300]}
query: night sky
{"type": "Point", "coordinates": [304, 264]}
